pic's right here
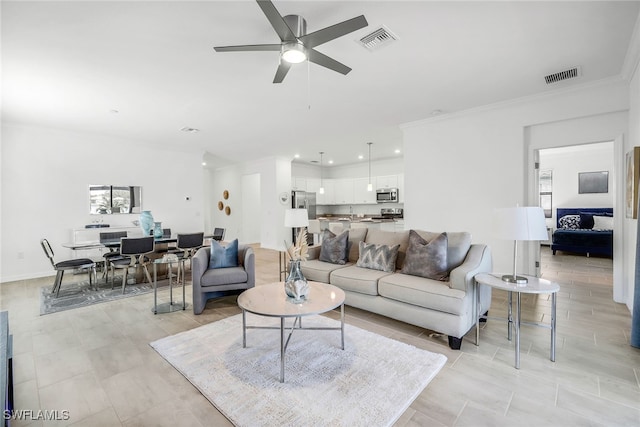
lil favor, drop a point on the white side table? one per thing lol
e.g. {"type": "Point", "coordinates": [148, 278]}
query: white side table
{"type": "Point", "coordinates": [535, 285]}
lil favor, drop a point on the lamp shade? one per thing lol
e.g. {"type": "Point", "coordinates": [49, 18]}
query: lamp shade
{"type": "Point", "coordinates": [296, 218]}
{"type": "Point", "coordinates": [520, 223]}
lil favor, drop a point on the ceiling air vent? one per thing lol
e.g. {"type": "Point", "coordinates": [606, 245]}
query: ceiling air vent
{"type": "Point", "coordinates": [377, 39]}
{"type": "Point", "coordinates": [571, 73]}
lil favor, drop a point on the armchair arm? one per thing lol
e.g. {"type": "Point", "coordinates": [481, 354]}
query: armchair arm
{"type": "Point", "coordinates": [249, 264]}
{"type": "Point", "coordinates": [199, 264]}
{"type": "Point", "coordinates": [478, 260]}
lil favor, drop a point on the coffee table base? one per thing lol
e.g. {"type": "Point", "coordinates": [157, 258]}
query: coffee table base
{"type": "Point", "coordinates": [284, 343]}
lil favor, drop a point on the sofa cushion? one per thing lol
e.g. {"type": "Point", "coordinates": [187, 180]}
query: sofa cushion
{"type": "Point", "coordinates": [356, 235]}
{"type": "Point", "coordinates": [458, 245]}
{"type": "Point", "coordinates": [357, 279]}
{"type": "Point", "coordinates": [390, 238]}
{"type": "Point", "coordinates": [378, 257]}
{"type": "Point", "coordinates": [427, 293]}
{"type": "Point", "coordinates": [223, 276]}
{"type": "Point", "coordinates": [224, 256]}
{"type": "Point", "coordinates": [426, 259]}
{"type": "Point", "coordinates": [319, 271]}
{"type": "Point", "coordinates": [334, 248]}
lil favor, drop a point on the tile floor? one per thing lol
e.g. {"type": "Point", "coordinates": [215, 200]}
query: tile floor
{"type": "Point", "coordinates": [96, 363]}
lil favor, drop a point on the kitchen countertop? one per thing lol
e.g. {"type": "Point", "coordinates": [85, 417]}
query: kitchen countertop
{"type": "Point", "coordinates": [356, 219]}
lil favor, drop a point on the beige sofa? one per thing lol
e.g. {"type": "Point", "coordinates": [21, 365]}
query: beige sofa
{"type": "Point", "coordinates": [446, 307]}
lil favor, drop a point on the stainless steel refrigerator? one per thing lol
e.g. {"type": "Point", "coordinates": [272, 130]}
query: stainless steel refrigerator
{"type": "Point", "coordinates": [304, 200]}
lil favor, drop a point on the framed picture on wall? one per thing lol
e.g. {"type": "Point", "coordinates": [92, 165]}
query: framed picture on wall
{"type": "Point", "coordinates": [593, 182]}
{"type": "Point", "coordinates": [631, 191]}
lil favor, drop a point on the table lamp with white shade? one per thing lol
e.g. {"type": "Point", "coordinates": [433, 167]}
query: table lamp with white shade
{"type": "Point", "coordinates": [519, 223]}
{"type": "Point", "coordinates": [296, 219]}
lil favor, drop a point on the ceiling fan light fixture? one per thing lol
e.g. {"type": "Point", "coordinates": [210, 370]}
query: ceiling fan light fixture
{"type": "Point", "coordinates": [294, 53]}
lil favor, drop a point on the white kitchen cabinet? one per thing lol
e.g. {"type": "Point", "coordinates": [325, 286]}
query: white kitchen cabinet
{"type": "Point", "coordinates": [343, 190]}
{"type": "Point", "coordinates": [387, 181]}
{"type": "Point", "coordinates": [360, 193]}
{"type": "Point", "coordinates": [313, 186]}
{"type": "Point", "coordinates": [329, 196]}
{"type": "Point", "coordinates": [299, 183]}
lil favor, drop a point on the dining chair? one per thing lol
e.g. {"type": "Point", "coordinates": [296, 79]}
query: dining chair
{"type": "Point", "coordinates": [113, 253]}
{"type": "Point", "coordinates": [218, 234]}
{"type": "Point", "coordinates": [134, 252]}
{"type": "Point", "coordinates": [72, 264]}
{"type": "Point", "coordinates": [186, 247]}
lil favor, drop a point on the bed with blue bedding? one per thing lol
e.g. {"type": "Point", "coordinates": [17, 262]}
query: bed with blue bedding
{"type": "Point", "coordinates": [578, 232]}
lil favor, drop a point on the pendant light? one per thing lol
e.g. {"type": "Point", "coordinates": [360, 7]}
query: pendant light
{"type": "Point", "coordinates": [369, 186]}
{"type": "Point", "coordinates": [321, 190]}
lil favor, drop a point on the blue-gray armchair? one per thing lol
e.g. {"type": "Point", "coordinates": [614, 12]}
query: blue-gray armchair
{"type": "Point", "coordinates": [211, 283]}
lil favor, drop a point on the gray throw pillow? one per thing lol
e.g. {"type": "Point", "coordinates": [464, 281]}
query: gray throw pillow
{"type": "Point", "coordinates": [334, 248]}
{"type": "Point", "coordinates": [378, 257]}
{"type": "Point", "coordinates": [426, 259]}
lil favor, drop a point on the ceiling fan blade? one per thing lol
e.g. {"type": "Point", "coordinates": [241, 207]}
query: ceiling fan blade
{"type": "Point", "coordinates": [282, 71]}
{"type": "Point", "coordinates": [249, 48]}
{"type": "Point", "coordinates": [333, 32]}
{"type": "Point", "coordinates": [276, 20]}
{"type": "Point", "coordinates": [330, 63]}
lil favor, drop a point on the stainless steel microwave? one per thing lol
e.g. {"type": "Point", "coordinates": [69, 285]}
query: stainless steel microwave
{"type": "Point", "coordinates": [387, 195]}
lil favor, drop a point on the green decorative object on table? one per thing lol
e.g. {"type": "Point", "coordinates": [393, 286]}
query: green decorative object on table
{"type": "Point", "coordinates": [157, 230]}
{"type": "Point", "coordinates": [146, 222]}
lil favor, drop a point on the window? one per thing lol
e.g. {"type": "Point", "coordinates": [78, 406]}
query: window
{"type": "Point", "coordinates": [546, 191]}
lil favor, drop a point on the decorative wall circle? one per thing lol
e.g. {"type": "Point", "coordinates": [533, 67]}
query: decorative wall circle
{"type": "Point", "coordinates": [227, 210]}
{"type": "Point", "coordinates": [220, 205]}
{"type": "Point", "coordinates": [225, 194]}
{"type": "Point", "coordinates": [284, 197]}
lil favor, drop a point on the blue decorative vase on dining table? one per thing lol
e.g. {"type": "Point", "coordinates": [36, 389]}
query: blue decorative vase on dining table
{"type": "Point", "coordinates": [146, 222]}
{"type": "Point", "coordinates": [157, 230]}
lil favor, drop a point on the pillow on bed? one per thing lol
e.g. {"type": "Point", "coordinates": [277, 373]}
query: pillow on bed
{"type": "Point", "coordinates": [569, 222]}
{"type": "Point", "coordinates": [586, 218]}
{"type": "Point", "coordinates": [603, 223]}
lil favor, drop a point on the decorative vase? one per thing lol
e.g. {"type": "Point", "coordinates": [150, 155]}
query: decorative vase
{"type": "Point", "coordinates": [157, 230]}
{"type": "Point", "coordinates": [146, 222]}
{"type": "Point", "coordinates": [296, 285]}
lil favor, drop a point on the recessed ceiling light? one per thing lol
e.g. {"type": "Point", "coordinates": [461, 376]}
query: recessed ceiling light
{"type": "Point", "coordinates": [297, 156]}
{"type": "Point", "coordinates": [360, 157]}
{"type": "Point", "coordinates": [330, 162]}
{"type": "Point", "coordinates": [189, 130]}
{"type": "Point", "coordinates": [204, 163]}
{"type": "Point", "coordinates": [397, 151]}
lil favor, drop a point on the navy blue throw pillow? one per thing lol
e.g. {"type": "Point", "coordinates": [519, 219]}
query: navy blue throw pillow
{"type": "Point", "coordinates": [223, 256]}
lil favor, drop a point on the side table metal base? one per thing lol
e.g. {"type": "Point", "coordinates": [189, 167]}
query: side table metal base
{"type": "Point", "coordinates": [168, 307]}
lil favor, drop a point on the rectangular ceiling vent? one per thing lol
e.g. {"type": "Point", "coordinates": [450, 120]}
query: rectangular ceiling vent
{"type": "Point", "coordinates": [571, 73]}
{"type": "Point", "coordinates": [377, 39]}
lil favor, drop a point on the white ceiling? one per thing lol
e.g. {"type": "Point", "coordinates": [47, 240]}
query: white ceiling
{"type": "Point", "coordinates": [68, 64]}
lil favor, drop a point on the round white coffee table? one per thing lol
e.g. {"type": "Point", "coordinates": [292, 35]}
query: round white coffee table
{"type": "Point", "coordinates": [271, 301]}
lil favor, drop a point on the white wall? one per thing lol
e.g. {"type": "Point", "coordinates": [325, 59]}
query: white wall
{"type": "Point", "coordinates": [390, 166]}
{"type": "Point", "coordinates": [459, 168]}
{"type": "Point", "coordinates": [45, 179]}
{"type": "Point", "coordinates": [566, 164]}
{"type": "Point", "coordinates": [273, 176]}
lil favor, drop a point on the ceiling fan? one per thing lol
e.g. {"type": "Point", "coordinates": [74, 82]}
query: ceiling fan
{"type": "Point", "coordinates": [296, 45]}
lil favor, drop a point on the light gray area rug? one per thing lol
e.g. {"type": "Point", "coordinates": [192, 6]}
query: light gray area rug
{"type": "Point", "coordinates": [371, 383]}
{"type": "Point", "coordinates": [80, 294]}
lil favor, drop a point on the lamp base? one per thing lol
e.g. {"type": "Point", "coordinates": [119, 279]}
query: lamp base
{"type": "Point", "coordinates": [510, 278]}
